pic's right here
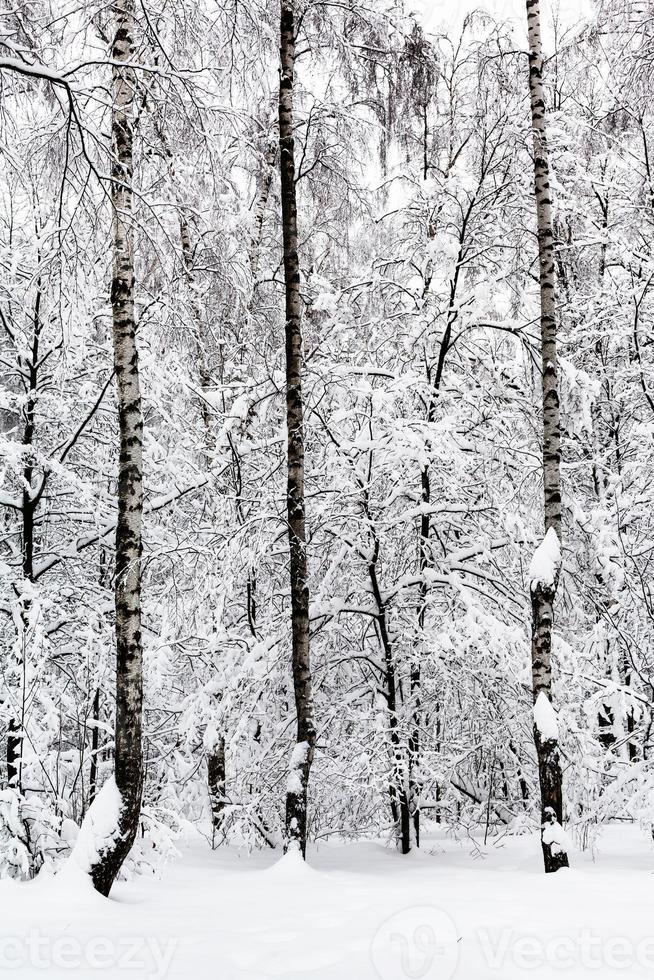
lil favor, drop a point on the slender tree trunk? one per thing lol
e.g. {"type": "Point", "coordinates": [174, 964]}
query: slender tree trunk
{"type": "Point", "coordinates": [265, 182]}
{"type": "Point", "coordinates": [104, 580]}
{"type": "Point", "coordinates": [216, 779]}
{"type": "Point", "coordinates": [425, 557]}
{"type": "Point", "coordinates": [415, 780]}
{"type": "Point", "coordinates": [298, 780]}
{"type": "Point", "coordinates": [543, 593]}
{"type": "Point", "coordinates": [401, 762]}
{"type": "Point", "coordinates": [129, 653]}
{"type": "Point", "coordinates": [29, 503]}
{"type": "Point", "coordinates": [400, 768]}
{"type": "Point", "coordinates": [216, 762]}
{"type": "Point", "coordinates": [95, 742]}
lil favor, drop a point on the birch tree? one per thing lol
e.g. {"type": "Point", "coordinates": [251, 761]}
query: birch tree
{"type": "Point", "coordinates": [546, 564]}
{"type": "Point", "coordinates": [127, 583]}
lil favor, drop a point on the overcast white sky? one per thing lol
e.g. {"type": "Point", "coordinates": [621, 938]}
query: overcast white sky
{"type": "Point", "coordinates": [450, 13]}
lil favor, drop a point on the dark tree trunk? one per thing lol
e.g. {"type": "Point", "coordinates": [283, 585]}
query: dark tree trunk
{"type": "Point", "coordinates": [543, 594]}
{"type": "Point", "coordinates": [296, 797]}
{"type": "Point", "coordinates": [14, 744]}
{"type": "Point", "coordinates": [425, 558]}
{"type": "Point", "coordinates": [29, 502]}
{"type": "Point", "coordinates": [400, 780]}
{"type": "Point", "coordinates": [265, 182]}
{"type": "Point", "coordinates": [415, 782]}
{"type": "Point", "coordinates": [216, 779]}
{"type": "Point", "coordinates": [129, 653]}
{"type": "Point", "coordinates": [95, 742]}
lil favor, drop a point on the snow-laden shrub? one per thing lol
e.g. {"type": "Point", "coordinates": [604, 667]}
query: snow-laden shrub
{"type": "Point", "coordinates": [154, 845]}
{"type": "Point", "coordinates": [14, 854]}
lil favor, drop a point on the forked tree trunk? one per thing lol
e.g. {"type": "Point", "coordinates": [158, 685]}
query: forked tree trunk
{"type": "Point", "coordinates": [300, 767]}
{"type": "Point", "coordinates": [400, 782]}
{"type": "Point", "coordinates": [129, 654]}
{"type": "Point", "coordinates": [401, 775]}
{"type": "Point", "coordinates": [543, 593]}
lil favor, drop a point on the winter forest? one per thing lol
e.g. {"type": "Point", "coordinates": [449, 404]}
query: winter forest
{"type": "Point", "coordinates": [327, 489]}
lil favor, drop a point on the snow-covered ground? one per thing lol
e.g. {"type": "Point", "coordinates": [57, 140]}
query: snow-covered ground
{"type": "Point", "coordinates": [356, 911]}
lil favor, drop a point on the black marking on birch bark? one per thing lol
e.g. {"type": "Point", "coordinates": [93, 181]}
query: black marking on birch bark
{"type": "Point", "coordinates": [127, 584]}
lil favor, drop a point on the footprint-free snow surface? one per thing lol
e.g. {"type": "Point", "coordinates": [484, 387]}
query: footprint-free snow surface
{"type": "Point", "coordinates": [353, 912]}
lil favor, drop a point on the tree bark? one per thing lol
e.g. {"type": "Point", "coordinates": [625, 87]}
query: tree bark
{"type": "Point", "coordinates": [216, 779]}
{"type": "Point", "coordinates": [29, 503]}
{"type": "Point", "coordinates": [95, 747]}
{"type": "Point", "coordinates": [129, 653]}
{"type": "Point", "coordinates": [296, 796]}
{"type": "Point", "coordinates": [400, 757]}
{"type": "Point", "coordinates": [543, 594]}
{"type": "Point", "coordinates": [265, 182]}
{"type": "Point", "coordinates": [401, 773]}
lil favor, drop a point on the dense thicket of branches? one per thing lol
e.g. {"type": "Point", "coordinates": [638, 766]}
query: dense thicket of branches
{"type": "Point", "coordinates": [421, 374]}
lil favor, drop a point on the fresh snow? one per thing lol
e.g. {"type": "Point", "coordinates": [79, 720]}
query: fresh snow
{"type": "Point", "coordinates": [99, 827]}
{"type": "Point", "coordinates": [545, 718]}
{"type": "Point", "coordinates": [546, 561]}
{"type": "Point", "coordinates": [298, 759]}
{"type": "Point", "coordinates": [555, 835]}
{"type": "Point", "coordinates": [355, 908]}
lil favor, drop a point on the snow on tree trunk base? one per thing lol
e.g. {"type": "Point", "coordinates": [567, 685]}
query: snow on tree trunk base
{"type": "Point", "coordinates": [296, 797]}
{"type": "Point", "coordinates": [546, 737]}
{"type": "Point", "coordinates": [100, 828]}
{"type": "Point", "coordinates": [555, 842]}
